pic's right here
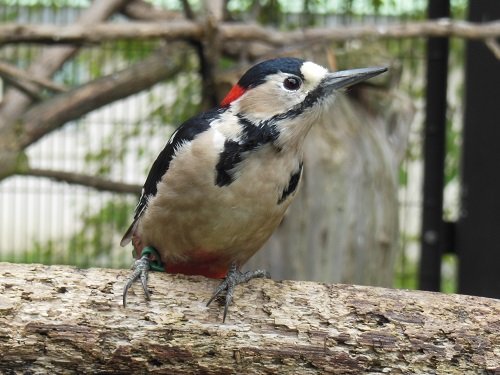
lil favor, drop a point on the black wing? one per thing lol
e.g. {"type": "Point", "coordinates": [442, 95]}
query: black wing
{"type": "Point", "coordinates": [184, 133]}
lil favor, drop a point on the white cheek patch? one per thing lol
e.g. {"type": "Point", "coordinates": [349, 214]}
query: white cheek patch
{"type": "Point", "coordinates": [312, 72]}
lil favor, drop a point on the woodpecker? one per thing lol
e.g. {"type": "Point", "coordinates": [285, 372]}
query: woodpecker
{"type": "Point", "coordinates": [225, 178]}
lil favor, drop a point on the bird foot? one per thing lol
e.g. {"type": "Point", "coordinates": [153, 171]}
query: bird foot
{"type": "Point", "coordinates": [140, 270]}
{"type": "Point", "coordinates": [233, 278]}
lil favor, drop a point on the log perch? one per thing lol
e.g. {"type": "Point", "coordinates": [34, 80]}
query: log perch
{"type": "Point", "coordinates": [59, 319]}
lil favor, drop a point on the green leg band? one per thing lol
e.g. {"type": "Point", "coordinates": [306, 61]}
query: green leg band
{"type": "Point", "coordinates": [157, 264]}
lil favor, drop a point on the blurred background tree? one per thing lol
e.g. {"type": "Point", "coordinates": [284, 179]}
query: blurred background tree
{"type": "Point", "coordinates": [357, 217]}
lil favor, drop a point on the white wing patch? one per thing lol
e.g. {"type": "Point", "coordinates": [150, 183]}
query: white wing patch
{"type": "Point", "coordinates": [140, 200]}
{"type": "Point", "coordinates": [173, 136]}
{"type": "Point", "coordinates": [218, 139]}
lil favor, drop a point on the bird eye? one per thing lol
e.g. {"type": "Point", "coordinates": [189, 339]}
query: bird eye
{"type": "Point", "coordinates": [292, 83]}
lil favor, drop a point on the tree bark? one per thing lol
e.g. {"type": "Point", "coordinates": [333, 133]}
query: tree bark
{"type": "Point", "coordinates": [7, 70]}
{"type": "Point", "coordinates": [58, 319]}
{"type": "Point", "coordinates": [94, 182]}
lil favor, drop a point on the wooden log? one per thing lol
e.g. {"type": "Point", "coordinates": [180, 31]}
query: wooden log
{"type": "Point", "coordinates": [58, 319]}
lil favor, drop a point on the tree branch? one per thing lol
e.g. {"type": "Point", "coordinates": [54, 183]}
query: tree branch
{"type": "Point", "coordinates": [209, 51]}
{"type": "Point", "coordinates": [55, 112]}
{"type": "Point", "coordinates": [494, 47]}
{"type": "Point", "coordinates": [139, 9]}
{"type": "Point", "coordinates": [188, 11]}
{"type": "Point", "coordinates": [174, 30]}
{"type": "Point", "coordinates": [95, 182]}
{"type": "Point", "coordinates": [99, 32]}
{"type": "Point", "coordinates": [11, 71]}
{"type": "Point", "coordinates": [437, 28]}
{"type": "Point", "coordinates": [50, 60]}
{"type": "Point", "coordinates": [60, 319]}
{"type": "Point", "coordinates": [252, 50]}
{"type": "Point", "coordinates": [26, 88]}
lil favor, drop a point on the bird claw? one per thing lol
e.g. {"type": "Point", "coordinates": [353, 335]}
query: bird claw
{"type": "Point", "coordinates": [140, 271]}
{"type": "Point", "coordinates": [233, 278]}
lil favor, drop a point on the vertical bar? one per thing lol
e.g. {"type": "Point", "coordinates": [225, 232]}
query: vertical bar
{"type": "Point", "coordinates": [478, 229]}
{"type": "Point", "coordinates": [434, 153]}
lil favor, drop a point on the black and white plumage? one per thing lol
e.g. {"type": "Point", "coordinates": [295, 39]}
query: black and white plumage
{"type": "Point", "coordinates": [184, 134]}
{"type": "Point", "coordinates": [225, 178]}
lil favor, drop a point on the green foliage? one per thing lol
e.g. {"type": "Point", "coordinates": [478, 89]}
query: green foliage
{"type": "Point", "coordinates": [453, 152]}
{"type": "Point", "coordinates": [10, 14]}
{"type": "Point", "coordinates": [90, 246]}
{"type": "Point", "coordinates": [346, 7]}
{"type": "Point", "coordinates": [449, 282]}
{"type": "Point", "coordinates": [377, 4]}
{"type": "Point", "coordinates": [454, 113]}
{"type": "Point", "coordinates": [112, 151]}
{"type": "Point", "coordinates": [133, 50]}
{"type": "Point", "coordinates": [99, 231]}
{"type": "Point", "coordinates": [44, 252]}
{"type": "Point", "coordinates": [458, 9]}
{"type": "Point", "coordinates": [309, 10]}
{"type": "Point", "coordinates": [271, 12]}
{"type": "Point", "coordinates": [406, 276]}
{"type": "Point", "coordinates": [413, 56]}
{"type": "Point", "coordinates": [185, 104]}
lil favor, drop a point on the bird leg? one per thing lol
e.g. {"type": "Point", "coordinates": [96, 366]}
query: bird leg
{"type": "Point", "coordinates": [140, 270]}
{"type": "Point", "coordinates": [233, 278]}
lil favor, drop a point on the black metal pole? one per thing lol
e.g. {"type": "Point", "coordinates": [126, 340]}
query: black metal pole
{"type": "Point", "coordinates": [434, 153]}
{"type": "Point", "coordinates": [478, 228]}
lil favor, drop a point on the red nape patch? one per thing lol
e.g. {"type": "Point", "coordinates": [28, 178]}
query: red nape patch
{"type": "Point", "coordinates": [232, 95]}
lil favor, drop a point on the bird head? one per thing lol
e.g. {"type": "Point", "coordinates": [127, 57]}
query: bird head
{"type": "Point", "coordinates": [290, 94]}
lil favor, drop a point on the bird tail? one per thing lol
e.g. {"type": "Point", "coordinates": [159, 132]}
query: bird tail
{"type": "Point", "coordinates": [129, 233]}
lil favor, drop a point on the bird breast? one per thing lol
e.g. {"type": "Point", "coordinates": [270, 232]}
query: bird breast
{"type": "Point", "coordinates": [191, 214]}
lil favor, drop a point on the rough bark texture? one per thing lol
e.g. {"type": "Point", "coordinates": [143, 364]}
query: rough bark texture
{"type": "Point", "coordinates": [59, 319]}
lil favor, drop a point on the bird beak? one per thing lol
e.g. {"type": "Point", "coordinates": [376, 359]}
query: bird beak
{"type": "Point", "coordinates": [346, 78]}
{"type": "Point", "coordinates": [337, 80]}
